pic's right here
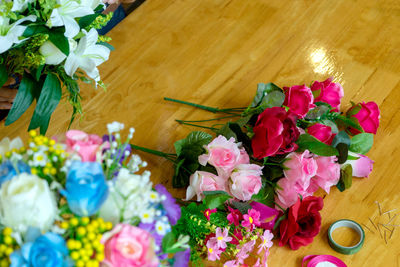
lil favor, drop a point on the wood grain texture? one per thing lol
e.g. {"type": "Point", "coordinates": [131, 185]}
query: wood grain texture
{"type": "Point", "coordinates": [215, 52]}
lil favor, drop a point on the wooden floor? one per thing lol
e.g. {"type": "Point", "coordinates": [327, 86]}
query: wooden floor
{"type": "Point", "coordinates": [215, 52]}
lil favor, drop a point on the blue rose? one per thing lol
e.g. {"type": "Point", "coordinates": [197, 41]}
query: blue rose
{"type": "Point", "coordinates": [8, 171]}
{"type": "Point", "coordinates": [48, 250]}
{"type": "Point", "coordinates": [86, 188]}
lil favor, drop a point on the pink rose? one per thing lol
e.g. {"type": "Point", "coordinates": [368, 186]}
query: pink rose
{"type": "Point", "coordinates": [328, 172]}
{"type": "Point", "coordinates": [368, 116]}
{"type": "Point", "coordinates": [362, 166]}
{"type": "Point", "coordinates": [322, 132]}
{"type": "Point", "coordinates": [287, 194]}
{"type": "Point", "coordinates": [204, 181]}
{"type": "Point", "coordinates": [223, 154]}
{"type": "Point", "coordinates": [127, 245]}
{"type": "Point", "coordinates": [328, 92]}
{"type": "Point", "coordinates": [84, 144]}
{"type": "Point", "coordinates": [300, 168]}
{"type": "Point", "coordinates": [245, 181]}
{"type": "Point", "coordinates": [299, 99]}
{"type": "Point", "coordinates": [275, 133]}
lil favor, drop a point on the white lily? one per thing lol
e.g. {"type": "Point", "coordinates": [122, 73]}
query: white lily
{"type": "Point", "coordinates": [20, 5]}
{"type": "Point", "coordinates": [92, 3]}
{"type": "Point", "coordinates": [10, 33]}
{"type": "Point", "coordinates": [87, 56]}
{"type": "Point", "coordinates": [65, 15]}
{"type": "Point", "coordinates": [53, 55]}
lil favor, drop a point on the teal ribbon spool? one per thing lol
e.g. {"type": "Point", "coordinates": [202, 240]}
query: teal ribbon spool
{"type": "Point", "coordinates": [349, 224]}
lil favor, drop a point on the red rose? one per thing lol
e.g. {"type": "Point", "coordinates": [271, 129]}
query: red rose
{"type": "Point", "coordinates": [322, 132]}
{"type": "Point", "coordinates": [328, 92]}
{"type": "Point", "coordinates": [299, 99]}
{"type": "Point", "coordinates": [275, 133]}
{"type": "Point", "coordinates": [302, 224]}
{"type": "Point", "coordinates": [368, 116]}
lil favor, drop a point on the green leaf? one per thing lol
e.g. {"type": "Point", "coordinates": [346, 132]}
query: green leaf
{"type": "Point", "coordinates": [315, 146]}
{"type": "Point", "coordinates": [60, 41]}
{"type": "Point", "coordinates": [280, 219]}
{"type": "Point", "coordinates": [243, 207]}
{"type": "Point", "coordinates": [317, 112]}
{"type": "Point", "coordinates": [346, 178]}
{"type": "Point", "coordinates": [107, 45]}
{"type": "Point", "coordinates": [34, 29]}
{"type": "Point", "coordinates": [343, 152]}
{"type": "Point", "coordinates": [350, 122]}
{"type": "Point", "coordinates": [215, 199]}
{"type": "Point", "coordinates": [362, 143]}
{"type": "Point", "coordinates": [38, 72]}
{"type": "Point", "coordinates": [87, 20]}
{"type": "Point", "coordinates": [192, 145]}
{"type": "Point", "coordinates": [226, 131]}
{"type": "Point", "coordinates": [23, 99]}
{"type": "Point", "coordinates": [262, 90]}
{"type": "Point", "coordinates": [331, 124]}
{"type": "Point", "coordinates": [3, 75]}
{"type": "Point", "coordinates": [341, 137]}
{"type": "Point", "coordinates": [48, 100]}
{"type": "Point", "coordinates": [273, 99]}
{"type": "Point", "coordinates": [354, 110]}
{"type": "Point", "coordinates": [168, 242]}
{"type": "Point", "coordinates": [265, 195]}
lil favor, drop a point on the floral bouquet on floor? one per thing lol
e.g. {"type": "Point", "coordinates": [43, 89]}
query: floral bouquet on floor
{"type": "Point", "coordinates": [46, 46]}
{"type": "Point", "coordinates": [84, 202]}
{"type": "Point", "coordinates": [280, 150]}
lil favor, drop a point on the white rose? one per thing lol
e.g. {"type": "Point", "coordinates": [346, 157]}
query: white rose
{"type": "Point", "coordinates": [26, 200]}
{"type": "Point", "coordinates": [7, 145]}
{"type": "Point", "coordinates": [129, 194]}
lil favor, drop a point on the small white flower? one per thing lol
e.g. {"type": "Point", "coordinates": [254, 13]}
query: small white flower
{"type": "Point", "coordinates": [147, 216]}
{"type": "Point", "coordinates": [115, 127]}
{"type": "Point", "coordinates": [39, 159]}
{"type": "Point", "coordinates": [162, 228]}
{"type": "Point", "coordinates": [154, 197]}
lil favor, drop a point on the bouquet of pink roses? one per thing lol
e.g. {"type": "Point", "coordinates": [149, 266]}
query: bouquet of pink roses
{"type": "Point", "coordinates": [83, 202]}
{"type": "Point", "coordinates": [278, 151]}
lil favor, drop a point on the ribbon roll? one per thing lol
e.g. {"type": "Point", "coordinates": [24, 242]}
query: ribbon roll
{"type": "Point", "coordinates": [342, 249]}
{"type": "Point", "coordinates": [322, 261]}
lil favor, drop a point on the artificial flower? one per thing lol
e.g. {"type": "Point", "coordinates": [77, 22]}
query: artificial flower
{"type": "Point", "coordinates": [223, 154]}
{"type": "Point", "coordinates": [231, 264]}
{"type": "Point", "coordinates": [182, 258]}
{"type": "Point", "coordinates": [234, 217]}
{"type": "Point", "coordinates": [245, 181]}
{"type": "Point", "coordinates": [208, 212]}
{"type": "Point", "coordinates": [87, 55]}
{"type": "Point", "coordinates": [299, 99]}
{"type": "Point", "coordinates": [328, 92]}
{"type": "Point", "coordinates": [322, 132]}
{"type": "Point", "coordinates": [127, 245]}
{"type": "Point", "coordinates": [64, 15]}
{"type": "Point", "coordinates": [11, 33]}
{"type": "Point", "coordinates": [169, 204]}
{"type": "Point", "coordinates": [222, 237]}
{"type": "Point", "coordinates": [26, 200]}
{"type": "Point", "coordinates": [328, 172]}
{"type": "Point", "coordinates": [213, 250]}
{"type": "Point", "coordinates": [85, 188]}
{"type": "Point", "coordinates": [299, 168]}
{"type": "Point", "coordinates": [367, 114]}
{"type": "Point", "coordinates": [275, 133]}
{"type": "Point", "coordinates": [287, 193]}
{"type": "Point", "coordinates": [39, 250]}
{"type": "Point", "coordinates": [268, 215]}
{"type": "Point", "coordinates": [302, 224]}
{"type": "Point", "coordinates": [244, 251]}
{"type": "Point", "coordinates": [8, 170]}
{"type": "Point", "coordinates": [266, 241]}
{"type": "Point", "coordinates": [85, 145]}
{"type": "Point", "coordinates": [251, 219]}
{"type": "Point", "coordinates": [204, 181]}
{"type": "Point", "coordinates": [20, 5]}
{"type": "Point", "coordinates": [7, 145]}
{"type": "Point", "coordinates": [51, 53]}
{"type": "Point", "coordinates": [362, 165]}
{"type": "Point", "coordinates": [238, 235]}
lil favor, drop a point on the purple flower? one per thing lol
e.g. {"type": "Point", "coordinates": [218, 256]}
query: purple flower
{"type": "Point", "coordinates": [169, 204]}
{"type": "Point", "coordinates": [120, 153]}
{"type": "Point", "coordinates": [182, 258]}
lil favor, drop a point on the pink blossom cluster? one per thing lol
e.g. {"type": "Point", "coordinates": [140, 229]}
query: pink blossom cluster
{"type": "Point", "coordinates": [235, 174]}
{"type": "Point", "coordinates": [242, 236]}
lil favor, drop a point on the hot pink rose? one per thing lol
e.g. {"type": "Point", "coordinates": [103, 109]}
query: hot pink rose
{"type": "Point", "coordinates": [300, 168]}
{"type": "Point", "coordinates": [223, 154]}
{"type": "Point", "coordinates": [127, 245]}
{"type": "Point", "coordinates": [322, 132]}
{"type": "Point", "coordinates": [275, 133]}
{"type": "Point", "coordinates": [299, 99]}
{"type": "Point", "coordinates": [204, 181]}
{"type": "Point", "coordinates": [245, 181]}
{"type": "Point", "coordinates": [328, 92]}
{"type": "Point", "coordinates": [368, 116]}
{"type": "Point", "coordinates": [328, 173]}
{"type": "Point", "coordinates": [84, 144]}
{"type": "Point", "coordinates": [362, 166]}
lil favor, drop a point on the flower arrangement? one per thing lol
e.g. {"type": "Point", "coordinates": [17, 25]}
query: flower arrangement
{"type": "Point", "coordinates": [84, 202]}
{"type": "Point", "coordinates": [49, 45]}
{"type": "Point", "coordinates": [277, 152]}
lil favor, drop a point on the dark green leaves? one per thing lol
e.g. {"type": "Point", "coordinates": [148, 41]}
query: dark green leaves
{"type": "Point", "coordinates": [317, 112]}
{"type": "Point", "coordinates": [342, 142]}
{"type": "Point", "coordinates": [169, 244]}
{"type": "Point", "coordinates": [192, 145]}
{"type": "Point", "coordinates": [346, 178]}
{"type": "Point", "coordinates": [362, 143]}
{"type": "Point", "coordinates": [349, 122]}
{"type": "Point", "coordinates": [87, 20]}
{"type": "Point", "coordinates": [268, 95]}
{"type": "Point", "coordinates": [215, 199]}
{"type": "Point", "coordinates": [56, 36]}
{"type": "Point", "coordinates": [3, 75]}
{"type": "Point", "coordinates": [24, 98]}
{"type": "Point", "coordinates": [48, 100]}
{"type": "Point", "coordinates": [315, 146]}
{"type": "Point", "coordinates": [265, 195]}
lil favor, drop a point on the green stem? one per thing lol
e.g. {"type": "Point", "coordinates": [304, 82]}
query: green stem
{"type": "Point", "coordinates": [211, 109]}
{"type": "Point", "coordinates": [195, 125]}
{"type": "Point", "coordinates": [216, 119]}
{"type": "Point", "coordinates": [154, 152]}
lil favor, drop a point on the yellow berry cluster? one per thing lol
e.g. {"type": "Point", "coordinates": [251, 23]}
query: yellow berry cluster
{"type": "Point", "coordinates": [53, 151]}
{"type": "Point", "coordinates": [7, 246]}
{"type": "Point", "coordinates": [8, 154]}
{"type": "Point", "coordinates": [84, 243]}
